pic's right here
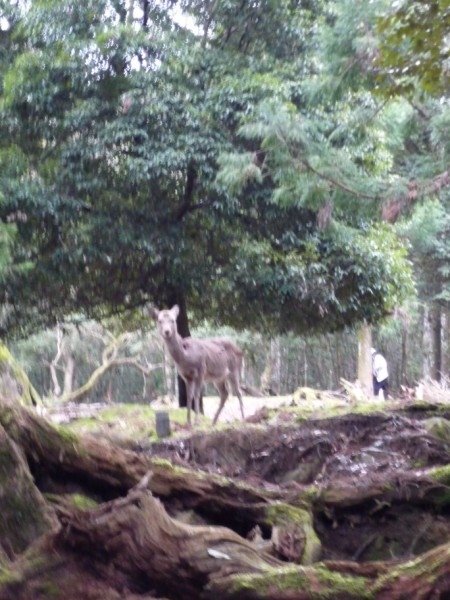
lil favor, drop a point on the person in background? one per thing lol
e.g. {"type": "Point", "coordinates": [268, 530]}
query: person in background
{"type": "Point", "coordinates": [380, 375]}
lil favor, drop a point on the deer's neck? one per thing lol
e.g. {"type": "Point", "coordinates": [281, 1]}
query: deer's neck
{"type": "Point", "coordinates": [175, 347]}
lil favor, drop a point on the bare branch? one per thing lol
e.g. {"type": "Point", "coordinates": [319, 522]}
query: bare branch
{"type": "Point", "coordinates": [85, 389]}
{"type": "Point", "coordinates": [393, 207]}
{"type": "Point", "coordinates": [54, 364]}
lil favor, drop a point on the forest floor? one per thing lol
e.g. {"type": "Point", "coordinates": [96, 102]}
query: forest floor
{"type": "Point", "coordinates": [312, 438]}
{"type": "Point", "coordinates": [343, 448]}
{"type": "Point", "coordinates": [355, 487]}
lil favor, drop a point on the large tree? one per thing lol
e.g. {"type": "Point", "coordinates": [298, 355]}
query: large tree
{"type": "Point", "coordinates": [113, 121]}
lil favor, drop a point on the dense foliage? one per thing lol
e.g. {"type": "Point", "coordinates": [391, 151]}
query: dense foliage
{"type": "Point", "coordinates": [116, 118]}
{"type": "Point", "coordinates": [415, 46]}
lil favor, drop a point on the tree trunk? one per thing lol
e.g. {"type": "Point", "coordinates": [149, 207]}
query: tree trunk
{"type": "Point", "coordinates": [271, 376]}
{"type": "Point", "coordinates": [365, 359]}
{"type": "Point", "coordinates": [446, 345]}
{"type": "Point", "coordinates": [87, 388]}
{"type": "Point", "coordinates": [175, 559]}
{"type": "Point", "coordinates": [436, 338]}
{"type": "Point", "coordinates": [426, 341]}
{"type": "Point", "coordinates": [403, 380]}
{"type": "Point", "coordinates": [69, 370]}
{"type": "Point", "coordinates": [168, 373]}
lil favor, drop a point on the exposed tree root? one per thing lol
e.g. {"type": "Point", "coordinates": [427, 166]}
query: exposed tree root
{"type": "Point", "coordinates": [132, 545]}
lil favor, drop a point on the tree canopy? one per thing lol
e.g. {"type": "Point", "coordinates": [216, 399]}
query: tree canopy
{"type": "Point", "coordinates": [116, 120]}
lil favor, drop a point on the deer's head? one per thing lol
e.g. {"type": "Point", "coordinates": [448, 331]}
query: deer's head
{"type": "Point", "coordinates": [166, 320]}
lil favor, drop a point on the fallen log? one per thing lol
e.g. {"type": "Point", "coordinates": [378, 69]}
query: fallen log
{"type": "Point", "coordinates": [134, 539]}
{"type": "Point", "coordinates": [130, 548]}
{"type": "Point", "coordinates": [99, 470]}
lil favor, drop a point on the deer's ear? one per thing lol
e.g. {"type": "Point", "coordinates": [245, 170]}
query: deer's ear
{"type": "Point", "coordinates": [175, 310]}
{"type": "Point", "coordinates": [153, 312]}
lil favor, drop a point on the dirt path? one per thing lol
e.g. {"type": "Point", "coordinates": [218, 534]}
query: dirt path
{"type": "Point", "coordinates": [252, 405]}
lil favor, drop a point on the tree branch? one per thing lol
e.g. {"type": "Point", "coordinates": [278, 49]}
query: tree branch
{"type": "Point", "coordinates": [393, 207]}
{"type": "Point", "coordinates": [82, 391]}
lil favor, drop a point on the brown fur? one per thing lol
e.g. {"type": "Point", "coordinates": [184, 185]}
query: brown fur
{"type": "Point", "coordinates": [215, 360]}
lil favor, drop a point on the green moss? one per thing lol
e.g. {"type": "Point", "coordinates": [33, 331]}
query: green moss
{"type": "Point", "coordinates": [440, 474]}
{"type": "Point", "coordinates": [310, 495]}
{"type": "Point", "coordinates": [163, 462]}
{"type": "Point", "coordinates": [8, 577]}
{"type": "Point", "coordinates": [281, 578]}
{"type": "Point", "coordinates": [337, 583]}
{"type": "Point", "coordinates": [24, 515]}
{"type": "Point", "coordinates": [426, 567]}
{"type": "Point", "coordinates": [83, 502]}
{"type": "Point", "coordinates": [304, 578]}
{"type": "Point", "coordinates": [27, 393]}
{"type": "Point", "coordinates": [328, 406]}
{"type": "Point", "coordinates": [281, 514]}
{"type": "Point", "coordinates": [67, 436]}
{"type": "Point", "coordinates": [32, 567]}
{"type": "Point", "coordinates": [300, 419]}
{"type": "Point", "coordinates": [83, 424]}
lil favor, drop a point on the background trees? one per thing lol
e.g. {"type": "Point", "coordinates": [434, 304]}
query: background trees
{"type": "Point", "coordinates": [231, 157]}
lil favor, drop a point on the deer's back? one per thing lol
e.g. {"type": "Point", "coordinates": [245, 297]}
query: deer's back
{"type": "Point", "coordinates": [222, 357]}
{"type": "Point", "coordinates": [227, 344]}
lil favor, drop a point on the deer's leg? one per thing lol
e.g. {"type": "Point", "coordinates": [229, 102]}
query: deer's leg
{"type": "Point", "coordinates": [190, 391]}
{"type": "Point", "coordinates": [237, 392]}
{"type": "Point", "coordinates": [223, 392]}
{"type": "Point", "coordinates": [197, 392]}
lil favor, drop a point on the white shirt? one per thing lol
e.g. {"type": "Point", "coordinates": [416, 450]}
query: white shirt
{"type": "Point", "coordinates": [379, 366]}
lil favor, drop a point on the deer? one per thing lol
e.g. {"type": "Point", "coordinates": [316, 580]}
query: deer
{"type": "Point", "coordinates": [200, 360]}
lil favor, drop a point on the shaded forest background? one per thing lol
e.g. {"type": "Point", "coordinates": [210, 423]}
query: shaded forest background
{"type": "Point", "coordinates": [273, 365]}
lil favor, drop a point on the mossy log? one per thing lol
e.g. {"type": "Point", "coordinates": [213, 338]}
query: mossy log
{"type": "Point", "coordinates": [105, 472]}
{"type": "Point", "coordinates": [25, 515]}
{"type": "Point", "coordinates": [130, 548]}
{"type": "Point", "coordinates": [423, 578]}
{"type": "Point", "coordinates": [99, 466]}
{"type": "Point", "coordinates": [136, 535]}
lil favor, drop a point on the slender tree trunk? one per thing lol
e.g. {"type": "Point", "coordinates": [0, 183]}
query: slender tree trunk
{"type": "Point", "coordinates": [436, 339]}
{"type": "Point", "coordinates": [68, 374]}
{"type": "Point", "coordinates": [54, 378]}
{"type": "Point", "coordinates": [445, 345]}
{"type": "Point", "coordinates": [404, 355]}
{"type": "Point", "coordinates": [275, 349]}
{"type": "Point", "coordinates": [270, 378]}
{"type": "Point", "coordinates": [426, 343]}
{"type": "Point", "coordinates": [167, 370]}
{"type": "Point", "coordinates": [109, 392]}
{"type": "Point", "coordinates": [183, 330]}
{"type": "Point", "coordinates": [365, 358]}
{"type": "Point", "coordinates": [14, 382]}
{"type": "Point", "coordinates": [305, 365]}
